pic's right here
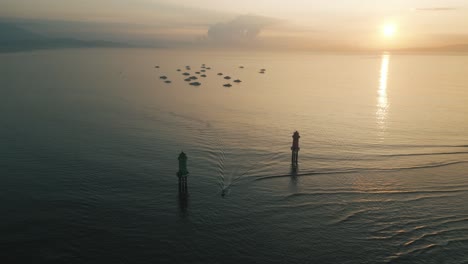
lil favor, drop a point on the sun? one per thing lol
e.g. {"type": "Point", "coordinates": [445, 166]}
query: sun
{"type": "Point", "coordinates": [389, 30]}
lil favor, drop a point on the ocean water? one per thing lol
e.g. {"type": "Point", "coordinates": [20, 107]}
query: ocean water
{"type": "Point", "coordinates": [90, 140]}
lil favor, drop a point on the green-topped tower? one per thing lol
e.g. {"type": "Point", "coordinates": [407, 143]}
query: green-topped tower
{"type": "Point", "coordinates": [182, 173]}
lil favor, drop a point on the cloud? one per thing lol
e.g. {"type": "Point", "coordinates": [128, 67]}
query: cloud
{"type": "Point", "coordinates": [436, 9]}
{"type": "Point", "coordinates": [241, 29]}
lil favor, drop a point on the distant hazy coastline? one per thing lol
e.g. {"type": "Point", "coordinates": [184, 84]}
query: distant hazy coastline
{"type": "Point", "coordinates": [16, 38]}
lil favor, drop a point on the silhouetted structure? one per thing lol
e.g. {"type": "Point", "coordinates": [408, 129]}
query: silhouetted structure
{"type": "Point", "coordinates": [182, 173]}
{"type": "Point", "coordinates": [295, 149]}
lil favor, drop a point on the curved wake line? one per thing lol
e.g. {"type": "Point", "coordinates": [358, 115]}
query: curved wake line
{"type": "Point", "coordinates": [375, 192]}
{"type": "Point", "coordinates": [413, 146]}
{"type": "Point", "coordinates": [252, 167]}
{"type": "Point", "coordinates": [424, 154]}
{"type": "Point", "coordinates": [421, 238]}
{"type": "Point", "coordinates": [425, 248]}
{"type": "Point", "coordinates": [260, 178]}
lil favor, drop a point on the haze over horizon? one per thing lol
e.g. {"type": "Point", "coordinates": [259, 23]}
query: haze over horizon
{"type": "Point", "coordinates": [296, 24]}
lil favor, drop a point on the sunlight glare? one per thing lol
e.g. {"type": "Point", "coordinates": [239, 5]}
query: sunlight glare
{"type": "Point", "coordinates": [382, 99]}
{"type": "Point", "coordinates": [389, 30]}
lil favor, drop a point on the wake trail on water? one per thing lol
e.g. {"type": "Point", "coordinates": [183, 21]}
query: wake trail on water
{"type": "Point", "coordinates": [212, 137]}
{"type": "Point", "coordinates": [249, 169]}
{"type": "Point", "coordinates": [358, 170]}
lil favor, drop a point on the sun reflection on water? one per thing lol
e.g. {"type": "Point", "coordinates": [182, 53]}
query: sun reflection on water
{"type": "Point", "coordinates": [382, 99]}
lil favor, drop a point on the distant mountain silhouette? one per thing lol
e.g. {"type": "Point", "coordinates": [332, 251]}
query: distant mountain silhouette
{"type": "Point", "coordinates": [14, 38]}
{"type": "Point", "coordinates": [11, 32]}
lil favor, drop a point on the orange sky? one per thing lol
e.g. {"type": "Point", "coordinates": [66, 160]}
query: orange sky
{"type": "Point", "coordinates": [301, 23]}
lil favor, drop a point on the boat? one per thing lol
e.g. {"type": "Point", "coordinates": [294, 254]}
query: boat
{"type": "Point", "coordinates": [193, 77]}
{"type": "Point", "coordinates": [203, 75]}
{"type": "Point", "coordinates": [157, 67]}
{"type": "Point", "coordinates": [197, 72]}
{"type": "Point", "coordinates": [163, 77]}
{"type": "Point", "coordinates": [227, 85]}
{"type": "Point", "coordinates": [203, 70]}
{"type": "Point", "coordinates": [195, 83]}
{"type": "Point", "coordinates": [186, 73]}
{"type": "Point", "coordinates": [208, 68]}
{"type": "Point", "coordinates": [237, 81]}
{"type": "Point", "coordinates": [227, 78]}
{"type": "Point", "coordinates": [178, 70]}
{"type": "Point", "coordinates": [241, 67]}
{"type": "Point", "coordinates": [220, 74]}
{"type": "Point", "coordinates": [187, 80]}
{"type": "Point", "coordinates": [167, 81]}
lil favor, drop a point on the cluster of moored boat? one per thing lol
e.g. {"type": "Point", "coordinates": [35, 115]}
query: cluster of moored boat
{"type": "Point", "coordinates": [191, 79]}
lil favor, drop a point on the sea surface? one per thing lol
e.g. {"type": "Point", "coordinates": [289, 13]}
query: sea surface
{"type": "Point", "coordinates": [90, 139]}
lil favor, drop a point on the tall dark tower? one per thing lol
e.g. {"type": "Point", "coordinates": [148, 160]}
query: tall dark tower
{"type": "Point", "coordinates": [295, 149]}
{"type": "Point", "coordinates": [182, 173]}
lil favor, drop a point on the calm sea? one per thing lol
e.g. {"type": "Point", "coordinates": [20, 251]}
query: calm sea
{"type": "Point", "coordinates": [90, 139]}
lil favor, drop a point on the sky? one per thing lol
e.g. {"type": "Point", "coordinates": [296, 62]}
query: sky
{"type": "Point", "coordinates": [301, 24]}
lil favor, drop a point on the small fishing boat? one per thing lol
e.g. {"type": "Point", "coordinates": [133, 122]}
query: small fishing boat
{"type": "Point", "coordinates": [227, 78]}
{"type": "Point", "coordinates": [237, 81]}
{"type": "Point", "coordinates": [227, 85]}
{"type": "Point", "coordinates": [163, 77]}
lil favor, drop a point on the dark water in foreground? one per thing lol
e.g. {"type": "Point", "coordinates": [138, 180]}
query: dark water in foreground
{"type": "Point", "coordinates": [90, 140]}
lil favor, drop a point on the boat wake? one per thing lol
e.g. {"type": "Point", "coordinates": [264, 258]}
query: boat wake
{"type": "Point", "coordinates": [359, 170]}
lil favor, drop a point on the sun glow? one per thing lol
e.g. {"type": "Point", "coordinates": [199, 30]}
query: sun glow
{"type": "Point", "coordinates": [389, 30]}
